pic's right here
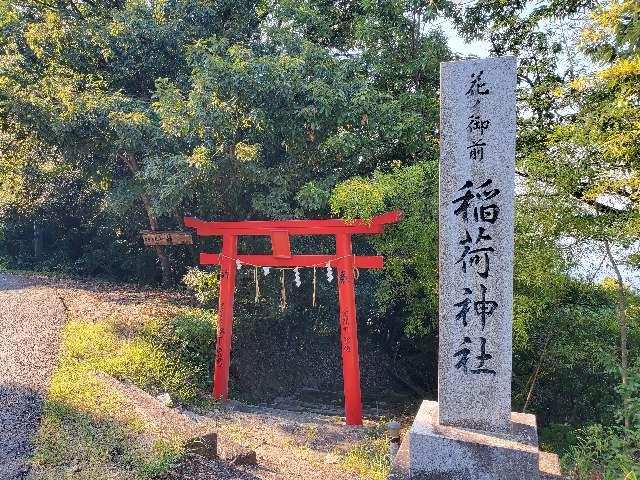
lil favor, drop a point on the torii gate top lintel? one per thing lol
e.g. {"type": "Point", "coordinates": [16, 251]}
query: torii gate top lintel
{"type": "Point", "coordinates": [294, 227]}
{"type": "Point", "coordinates": [280, 230]}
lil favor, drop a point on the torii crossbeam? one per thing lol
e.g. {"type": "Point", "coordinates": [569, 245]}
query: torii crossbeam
{"type": "Point", "coordinates": [280, 231]}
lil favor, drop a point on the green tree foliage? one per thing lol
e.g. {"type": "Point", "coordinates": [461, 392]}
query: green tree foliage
{"type": "Point", "coordinates": [81, 76]}
{"type": "Point", "coordinates": [409, 289]}
{"type": "Point", "coordinates": [225, 110]}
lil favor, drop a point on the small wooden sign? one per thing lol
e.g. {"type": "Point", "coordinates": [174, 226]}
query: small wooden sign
{"type": "Point", "coordinates": [152, 238]}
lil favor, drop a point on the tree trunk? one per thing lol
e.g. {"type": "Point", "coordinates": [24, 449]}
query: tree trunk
{"type": "Point", "coordinates": [623, 325]}
{"type": "Point", "coordinates": [153, 221]}
{"type": "Point", "coordinates": [178, 214]}
{"type": "Point", "coordinates": [37, 239]}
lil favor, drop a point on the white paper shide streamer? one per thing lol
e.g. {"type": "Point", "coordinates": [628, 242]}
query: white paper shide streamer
{"type": "Point", "coordinates": [329, 272]}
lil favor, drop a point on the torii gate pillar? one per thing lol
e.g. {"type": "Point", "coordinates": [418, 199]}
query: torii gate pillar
{"type": "Point", "coordinates": [349, 331]}
{"type": "Point", "coordinates": [225, 317]}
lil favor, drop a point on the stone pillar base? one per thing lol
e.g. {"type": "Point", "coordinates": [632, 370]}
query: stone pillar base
{"type": "Point", "coordinates": [437, 452]}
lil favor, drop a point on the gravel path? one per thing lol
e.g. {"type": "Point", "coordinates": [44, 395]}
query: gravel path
{"type": "Point", "coordinates": [31, 316]}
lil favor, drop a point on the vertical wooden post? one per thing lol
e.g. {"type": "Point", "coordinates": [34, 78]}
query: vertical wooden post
{"type": "Point", "coordinates": [348, 330]}
{"type": "Point", "coordinates": [225, 316]}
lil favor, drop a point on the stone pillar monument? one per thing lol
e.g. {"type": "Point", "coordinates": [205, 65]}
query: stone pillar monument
{"type": "Point", "coordinates": [471, 433]}
{"type": "Point", "coordinates": [477, 169]}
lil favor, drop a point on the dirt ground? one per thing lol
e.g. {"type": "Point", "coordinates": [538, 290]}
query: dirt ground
{"type": "Point", "coordinates": [288, 444]}
{"type": "Point", "coordinates": [292, 445]}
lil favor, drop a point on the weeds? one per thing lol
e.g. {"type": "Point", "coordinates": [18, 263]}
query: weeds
{"type": "Point", "coordinates": [370, 459]}
{"type": "Point", "coordinates": [609, 453]}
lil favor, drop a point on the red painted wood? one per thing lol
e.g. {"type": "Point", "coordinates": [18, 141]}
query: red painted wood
{"type": "Point", "coordinates": [294, 227]}
{"type": "Point", "coordinates": [207, 229]}
{"type": "Point", "coordinates": [349, 331]}
{"type": "Point", "coordinates": [225, 317]}
{"type": "Point", "coordinates": [280, 244]}
{"type": "Point", "coordinates": [294, 261]}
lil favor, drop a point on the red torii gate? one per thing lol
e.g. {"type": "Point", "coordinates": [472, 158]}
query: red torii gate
{"type": "Point", "coordinates": [279, 231]}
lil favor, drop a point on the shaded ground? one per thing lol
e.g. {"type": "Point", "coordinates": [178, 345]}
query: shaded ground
{"type": "Point", "coordinates": [31, 317]}
{"type": "Point", "coordinates": [294, 445]}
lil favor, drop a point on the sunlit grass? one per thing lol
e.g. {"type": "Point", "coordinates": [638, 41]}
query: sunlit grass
{"type": "Point", "coordinates": [370, 458]}
{"type": "Point", "coordinates": [88, 431]}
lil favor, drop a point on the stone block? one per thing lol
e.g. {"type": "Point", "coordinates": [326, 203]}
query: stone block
{"type": "Point", "coordinates": [438, 452]}
{"type": "Point", "coordinates": [549, 466]}
{"type": "Point", "coordinates": [206, 445]}
{"type": "Point", "coordinates": [237, 454]}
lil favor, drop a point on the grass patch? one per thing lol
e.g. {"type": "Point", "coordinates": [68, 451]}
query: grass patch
{"type": "Point", "coordinates": [190, 337]}
{"type": "Point", "coordinates": [370, 458]}
{"type": "Point", "coordinates": [97, 347]}
{"type": "Point", "coordinates": [88, 431]}
{"type": "Point", "coordinates": [30, 273]}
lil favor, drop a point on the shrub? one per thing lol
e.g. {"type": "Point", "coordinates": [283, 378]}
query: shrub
{"type": "Point", "coordinates": [608, 453]}
{"type": "Point", "coordinates": [189, 337]}
{"type": "Point", "coordinates": [203, 284]}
